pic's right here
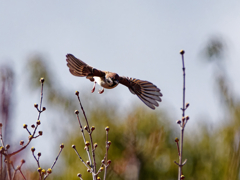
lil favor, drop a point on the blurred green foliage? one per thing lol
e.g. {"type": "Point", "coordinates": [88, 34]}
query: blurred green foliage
{"type": "Point", "coordinates": [143, 144]}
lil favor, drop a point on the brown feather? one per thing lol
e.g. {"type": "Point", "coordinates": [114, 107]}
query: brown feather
{"type": "Point", "coordinates": [145, 90]}
{"type": "Point", "coordinates": [80, 68]}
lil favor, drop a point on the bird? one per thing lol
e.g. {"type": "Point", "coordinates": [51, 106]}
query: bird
{"type": "Point", "coordinates": [147, 92]}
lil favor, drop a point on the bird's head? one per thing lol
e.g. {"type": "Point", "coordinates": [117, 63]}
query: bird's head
{"type": "Point", "coordinates": [112, 79]}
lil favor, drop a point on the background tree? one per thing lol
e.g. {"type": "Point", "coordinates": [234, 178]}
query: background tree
{"type": "Point", "coordinates": [143, 144]}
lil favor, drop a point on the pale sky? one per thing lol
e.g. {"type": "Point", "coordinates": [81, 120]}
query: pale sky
{"type": "Point", "coordinates": [135, 38]}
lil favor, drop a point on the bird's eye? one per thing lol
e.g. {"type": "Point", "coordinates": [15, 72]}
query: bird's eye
{"type": "Point", "coordinates": [109, 81]}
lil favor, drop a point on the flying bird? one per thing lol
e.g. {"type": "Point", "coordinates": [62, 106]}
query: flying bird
{"type": "Point", "coordinates": [145, 90]}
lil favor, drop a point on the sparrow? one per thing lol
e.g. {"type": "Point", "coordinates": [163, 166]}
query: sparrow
{"type": "Point", "coordinates": [145, 90]}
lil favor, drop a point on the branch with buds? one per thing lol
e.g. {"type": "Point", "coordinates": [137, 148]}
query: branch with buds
{"type": "Point", "coordinates": [43, 174]}
{"type": "Point", "coordinates": [182, 124]}
{"type": "Point", "coordinates": [90, 147]}
{"type": "Point", "coordinates": [32, 134]}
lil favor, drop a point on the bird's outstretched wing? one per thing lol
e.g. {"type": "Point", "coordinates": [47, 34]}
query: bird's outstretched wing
{"type": "Point", "coordinates": [145, 90]}
{"type": "Point", "coordinates": [80, 68]}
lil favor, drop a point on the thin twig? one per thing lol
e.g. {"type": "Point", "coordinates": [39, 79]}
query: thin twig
{"type": "Point", "coordinates": [22, 174]}
{"type": "Point", "coordinates": [106, 156]}
{"type": "Point", "coordinates": [8, 167]}
{"type": "Point", "coordinates": [54, 162]}
{"type": "Point", "coordinates": [90, 136]}
{"type": "Point", "coordinates": [84, 139]}
{"type": "Point", "coordinates": [18, 169]}
{"type": "Point", "coordinates": [176, 140]}
{"type": "Point", "coordinates": [39, 110]}
{"type": "Point", "coordinates": [36, 159]}
{"type": "Point", "coordinates": [56, 158]}
{"type": "Point", "coordinates": [28, 131]}
{"type": "Point", "coordinates": [1, 138]}
{"type": "Point", "coordinates": [38, 163]}
{"type": "Point", "coordinates": [79, 156]}
{"type": "Point", "coordinates": [14, 174]}
{"type": "Point", "coordinates": [39, 113]}
{"type": "Point", "coordinates": [41, 99]}
{"type": "Point", "coordinates": [61, 148]}
{"type": "Point", "coordinates": [15, 171]}
{"type": "Point", "coordinates": [13, 153]}
{"type": "Point", "coordinates": [182, 125]}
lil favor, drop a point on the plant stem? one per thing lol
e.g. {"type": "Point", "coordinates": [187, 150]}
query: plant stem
{"type": "Point", "coordinates": [182, 126]}
{"type": "Point", "coordinates": [106, 157]}
{"type": "Point", "coordinates": [91, 142]}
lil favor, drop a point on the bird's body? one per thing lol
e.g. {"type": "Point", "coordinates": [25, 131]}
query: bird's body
{"type": "Point", "coordinates": [146, 91]}
{"type": "Point", "coordinates": [101, 82]}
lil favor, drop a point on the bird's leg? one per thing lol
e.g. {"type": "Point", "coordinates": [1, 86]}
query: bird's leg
{"type": "Point", "coordinates": [101, 91]}
{"type": "Point", "coordinates": [93, 89]}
